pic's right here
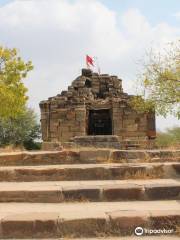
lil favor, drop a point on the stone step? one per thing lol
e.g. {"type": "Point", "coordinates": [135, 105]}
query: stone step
{"type": "Point", "coordinates": [70, 191]}
{"type": "Point", "coordinates": [29, 158]}
{"type": "Point", "coordinates": [111, 171]}
{"type": "Point", "coordinates": [166, 237]}
{"type": "Point", "coordinates": [97, 141]}
{"type": "Point", "coordinates": [52, 220]}
{"type": "Point", "coordinates": [87, 156]}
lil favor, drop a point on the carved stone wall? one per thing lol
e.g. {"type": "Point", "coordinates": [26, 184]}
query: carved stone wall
{"type": "Point", "coordinates": [68, 114]}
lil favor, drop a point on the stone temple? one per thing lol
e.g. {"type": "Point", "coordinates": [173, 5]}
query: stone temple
{"type": "Point", "coordinates": [94, 105]}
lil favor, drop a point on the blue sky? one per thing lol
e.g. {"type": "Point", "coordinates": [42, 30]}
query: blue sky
{"type": "Point", "coordinates": [155, 10]}
{"type": "Point", "coordinates": [3, 2]}
{"type": "Point", "coordinates": [57, 34]}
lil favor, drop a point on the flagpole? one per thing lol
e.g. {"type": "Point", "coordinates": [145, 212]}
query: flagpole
{"type": "Point", "coordinates": [97, 64]}
{"type": "Point", "coordinates": [99, 70]}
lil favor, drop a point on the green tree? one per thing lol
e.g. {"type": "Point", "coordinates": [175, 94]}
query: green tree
{"type": "Point", "coordinates": [12, 90]}
{"type": "Point", "coordinates": [159, 84]}
{"type": "Point", "coordinates": [23, 130]}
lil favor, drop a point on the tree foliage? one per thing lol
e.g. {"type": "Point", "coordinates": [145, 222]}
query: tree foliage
{"type": "Point", "coordinates": [22, 130]}
{"type": "Point", "coordinates": [159, 84]}
{"type": "Point", "coordinates": [12, 90]}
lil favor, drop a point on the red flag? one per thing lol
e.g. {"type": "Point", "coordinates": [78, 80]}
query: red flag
{"type": "Point", "coordinates": [89, 61]}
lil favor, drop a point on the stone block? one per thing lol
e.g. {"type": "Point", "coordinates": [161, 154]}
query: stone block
{"type": "Point", "coordinates": [54, 115]}
{"type": "Point", "coordinates": [81, 193]}
{"type": "Point", "coordinates": [54, 128]}
{"type": "Point", "coordinates": [84, 227]}
{"type": "Point", "coordinates": [127, 172]}
{"type": "Point", "coordinates": [176, 168]}
{"type": "Point", "coordinates": [13, 227]}
{"type": "Point", "coordinates": [71, 115]}
{"type": "Point", "coordinates": [11, 158]}
{"type": "Point", "coordinates": [117, 155]}
{"type": "Point", "coordinates": [74, 128]}
{"type": "Point", "coordinates": [117, 124]}
{"type": "Point", "coordinates": [51, 146]}
{"type": "Point", "coordinates": [124, 222]}
{"type": "Point", "coordinates": [80, 117]}
{"type": "Point", "coordinates": [43, 116]}
{"type": "Point", "coordinates": [160, 154]}
{"type": "Point", "coordinates": [46, 227]}
{"type": "Point", "coordinates": [62, 115]}
{"type": "Point", "coordinates": [126, 192]}
{"type": "Point", "coordinates": [162, 192]}
{"type": "Point", "coordinates": [165, 219]}
{"type": "Point", "coordinates": [94, 155]}
{"type": "Point", "coordinates": [65, 129]}
{"type": "Point", "coordinates": [66, 132]}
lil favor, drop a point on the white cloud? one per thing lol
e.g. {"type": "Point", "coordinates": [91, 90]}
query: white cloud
{"type": "Point", "coordinates": [57, 34]}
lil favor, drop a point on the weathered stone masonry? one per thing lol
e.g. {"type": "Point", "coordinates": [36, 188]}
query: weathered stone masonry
{"type": "Point", "coordinates": [93, 105]}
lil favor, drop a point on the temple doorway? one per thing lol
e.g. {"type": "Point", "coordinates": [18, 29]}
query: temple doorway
{"type": "Point", "coordinates": [100, 122]}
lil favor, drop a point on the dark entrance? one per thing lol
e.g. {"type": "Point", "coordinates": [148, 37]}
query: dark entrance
{"type": "Point", "coordinates": [99, 122]}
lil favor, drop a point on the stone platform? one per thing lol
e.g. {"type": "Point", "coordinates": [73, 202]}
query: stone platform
{"type": "Point", "coordinates": [39, 220]}
{"type": "Point", "coordinates": [97, 141]}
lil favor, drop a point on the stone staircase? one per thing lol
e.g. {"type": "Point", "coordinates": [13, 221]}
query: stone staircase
{"type": "Point", "coordinates": [89, 194]}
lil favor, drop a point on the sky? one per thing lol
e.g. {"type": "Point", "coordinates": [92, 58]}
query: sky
{"type": "Point", "coordinates": [57, 34]}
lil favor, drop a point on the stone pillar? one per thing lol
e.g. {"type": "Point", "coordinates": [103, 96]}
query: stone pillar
{"type": "Point", "coordinates": [117, 114]}
{"type": "Point", "coordinates": [44, 121]}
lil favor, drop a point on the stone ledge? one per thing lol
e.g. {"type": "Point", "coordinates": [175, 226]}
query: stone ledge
{"type": "Point", "coordinates": [86, 219]}
{"type": "Point", "coordinates": [68, 172]}
{"type": "Point", "coordinates": [88, 155]}
{"type": "Point", "coordinates": [110, 190]}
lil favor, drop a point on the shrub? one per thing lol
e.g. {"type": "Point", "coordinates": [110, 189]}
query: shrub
{"type": "Point", "coordinates": [171, 137]}
{"type": "Point", "coordinates": [21, 131]}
